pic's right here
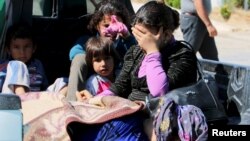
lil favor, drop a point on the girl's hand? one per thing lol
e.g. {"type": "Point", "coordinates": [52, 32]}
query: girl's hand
{"type": "Point", "coordinates": [116, 28]}
{"type": "Point", "coordinates": [148, 41]}
{"type": "Point", "coordinates": [83, 95]}
{"type": "Point", "coordinates": [97, 100]}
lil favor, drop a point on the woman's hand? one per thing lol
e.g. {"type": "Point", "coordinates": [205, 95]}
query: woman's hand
{"type": "Point", "coordinates": [83, 95]}
{"type": "Point", "coordinates": [148, 41]}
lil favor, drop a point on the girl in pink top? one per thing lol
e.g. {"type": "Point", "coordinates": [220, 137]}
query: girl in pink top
{"type": "Point", "coordinates": [101, 59]}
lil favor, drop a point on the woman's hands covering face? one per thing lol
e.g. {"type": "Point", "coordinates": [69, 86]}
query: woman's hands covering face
{"type": "Point", "coordinates": [147, 39]}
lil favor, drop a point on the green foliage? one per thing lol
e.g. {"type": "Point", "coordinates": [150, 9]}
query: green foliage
{"type": "Point", "coordinates": [235, 3]}
{"type": "Point", "coordinates": [225, 12]}
{"type": "Point", "coordinates": [238, 3]}
{"type": "Point", "coordinates": [173, 3]}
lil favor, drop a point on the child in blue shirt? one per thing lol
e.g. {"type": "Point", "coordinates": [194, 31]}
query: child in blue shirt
{"type": "Point", "coordinates": [21, 72]}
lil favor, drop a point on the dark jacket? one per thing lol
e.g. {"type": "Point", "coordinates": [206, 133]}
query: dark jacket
{"type": "Point", "coordinates": [178, 60]}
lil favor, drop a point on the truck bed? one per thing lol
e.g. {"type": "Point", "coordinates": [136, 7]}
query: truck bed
{"type": "Point", "coordinates": [234, 91]}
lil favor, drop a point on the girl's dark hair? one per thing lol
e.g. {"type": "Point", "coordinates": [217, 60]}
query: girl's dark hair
{"type": "Point", "coordinates": [109, 7]}
{"type": "Point", "coordinates": [22, 31]}
{"type": "Point", "coordinates": [100, 46]}
{"type": "Point", "coordinates": [156, 15]}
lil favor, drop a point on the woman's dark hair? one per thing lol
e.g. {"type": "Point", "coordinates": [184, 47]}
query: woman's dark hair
{"type": "Point", "coordinates": [109, 7]}
{"type": "Point", "coordinates": [21, 31]}
{"type": "Point", "coordinates": [100, 46]}
{"type": "Point", "coordinates": [155, 14]}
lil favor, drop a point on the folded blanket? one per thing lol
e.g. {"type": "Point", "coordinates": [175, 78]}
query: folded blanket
{"type": "Point", "coordinates": [47, 115]}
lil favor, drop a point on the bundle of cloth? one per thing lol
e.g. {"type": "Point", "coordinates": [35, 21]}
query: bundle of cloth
{"type": "Point", "coordinates": [48, 115]}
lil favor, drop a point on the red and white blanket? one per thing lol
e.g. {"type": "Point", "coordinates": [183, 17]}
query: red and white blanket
{"type": "Point", "coordinates": [47, 115]}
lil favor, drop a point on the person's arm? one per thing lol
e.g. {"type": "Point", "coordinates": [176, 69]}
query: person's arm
{"type": "Point", "coordinates": [182, 68]}
{"type": "Point", "coordinates": [124, 45]}
{"type": "Point", "coordinates": [155, 75]}
{"type": "Point", "coordinates": [130, 41]}
{"type": "Point", "coordinates": [204, 16]}
{"type": "Point", "coordinates": [152, 67]}
{"type": "Point", "coordinates": [122, 84]}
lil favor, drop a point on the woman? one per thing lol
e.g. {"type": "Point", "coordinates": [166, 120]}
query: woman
{"type": "Point", "coordinates": [158, 63]}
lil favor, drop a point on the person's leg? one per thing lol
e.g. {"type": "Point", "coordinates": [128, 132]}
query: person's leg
{"type": "Point", "coordinates": [17, 78]}
{"type": "Point", "coordinates": [77, 76]}
{"type": "Point", "coordinates": [208, 48]}
{"type": "Point", "coordinates": [193, 30]}
{"type": "Point", "coordinates": [127, 128]}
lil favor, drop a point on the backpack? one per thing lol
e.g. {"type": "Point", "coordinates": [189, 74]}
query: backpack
{"type": "Point", "coordinates": [173, 122]}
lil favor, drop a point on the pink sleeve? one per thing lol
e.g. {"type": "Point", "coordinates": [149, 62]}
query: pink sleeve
{"type": "Point", "coordinates": [156, 77]}
{"type": "Point", "coordinates": [106, 93]}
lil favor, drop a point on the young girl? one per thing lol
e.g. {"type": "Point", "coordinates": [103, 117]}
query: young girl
{"type": "Point", "coordinates": [101, 59]}
{"type": "Point", "coordinates": [110, 20]}
{"type": "Point", "coordinates": [23, 72]}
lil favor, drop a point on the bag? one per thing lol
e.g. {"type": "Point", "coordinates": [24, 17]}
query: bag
{"type": "Point", "coordinates": [181, 122]}
{"type": "Point", "coordinates": [202, 94]}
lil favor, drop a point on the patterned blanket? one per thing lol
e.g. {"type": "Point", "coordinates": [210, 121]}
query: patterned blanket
{"type": "Point", "coordinates": [47, 115]}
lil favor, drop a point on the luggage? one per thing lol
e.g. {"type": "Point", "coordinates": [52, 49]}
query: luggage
{"type": "Point", "coordinates": [11, 120]}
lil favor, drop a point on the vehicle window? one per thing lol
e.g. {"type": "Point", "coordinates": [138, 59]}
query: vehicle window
{"type": "Point", "coordinates": [90, 5]}
{"type": "Point", "coordinates": [42, 7]}
{"type": "Point", "coordinates": [49, 8]}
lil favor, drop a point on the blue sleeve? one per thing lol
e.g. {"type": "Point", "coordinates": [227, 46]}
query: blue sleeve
{"type": "Point", "coordinates": [79, 47]}
{"type": "Point", "coordinates": [130, 41]}
{"type": "Point", "coordinates": [124, 44]}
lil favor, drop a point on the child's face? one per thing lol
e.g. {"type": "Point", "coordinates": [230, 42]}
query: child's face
{"type": "Point", "coordinates": [103, 65]}
{"type": "Point", "coordinates": [104, 23]}
{"type": "Point", "coordinates": [21, 49]}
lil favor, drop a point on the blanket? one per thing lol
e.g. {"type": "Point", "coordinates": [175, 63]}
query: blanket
{"type": "Point", "coordinates": [46, 115]}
